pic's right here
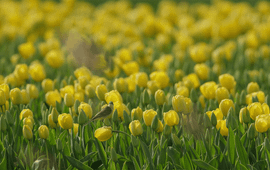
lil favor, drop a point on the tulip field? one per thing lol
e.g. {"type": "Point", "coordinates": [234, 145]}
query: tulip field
{"type": "Point", "coordinates": [134, 85]}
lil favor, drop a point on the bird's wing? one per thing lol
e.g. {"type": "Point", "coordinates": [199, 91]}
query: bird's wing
{"type": "Point", "coordinates": [102, 113]}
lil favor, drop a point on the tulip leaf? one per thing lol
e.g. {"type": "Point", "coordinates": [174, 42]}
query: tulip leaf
{"type": "Point", "coordinates": [52, 137]}
{"type": "Point", "coordinates": [3, 164]}
{"type": "Point", "coordinates": [136, 165]}
{"type": "Point", "coordinates": [241, 152]}
{"type": "Point", "coordinates": [173, 154]}
{"type": "Point", "coordinates": [88, 157]}
{"type": "Point", "coordinates": [76, 163]}
{"type": "Point", "coordinates": [231, 146]}
{"type": "Point", "coordinates": [147, 155]}
{"type": "Point", "coordinates": [112, 165]}
{"type": "Point", "coordinates": [187, 162]}
{"type": "Point", "coordinates": [101, 152]}
{"type": "Point", "coordinates": [203, 164]}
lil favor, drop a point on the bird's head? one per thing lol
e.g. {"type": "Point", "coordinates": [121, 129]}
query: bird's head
{"type": "Point", "coordinates": [111, 105]}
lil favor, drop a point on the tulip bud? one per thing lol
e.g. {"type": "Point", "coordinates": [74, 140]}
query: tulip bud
{"type": "Point", "coordinates": [27, 132]}
{"type": "Point", "coordinates": [126, 117]}
{"type": "Point", "coordinates": [114, 155]}
{"type": "Point", "coordinates": [43, 132]}
{"type": "Point", "coordinates": [69, 100]}
{"type": "Point", "coordinates": [90, 91]}
{"type": "Point", "coordinates": [82, 119]}
{"type": "Point", "coordinates": [207, 122]}
{"type": "Point", "coordinates": [154, 124]}
{"type": "Point", "coordinates": [76, 107]}
{"type": "Point", "coordinates": [242, 99]}
{"type": "Point", "coordinates": [167, 130]}
{"type": "Point", "coordinates": [54, 115]}
{"type": "Point", "coordinates": [3, 124]}
{"type": "Point", "coordinates": [100, 92]}
{"type": "Point", "coordinates": [115, 116]}
{"type": "Point", "coordinates": [32, 90]}
{"type": "Point", "coordinates": [134, 141]}
{"type": "Point", "coordinates": [160, 97]}
{"type": "Point", "coordinates": [51, 122]}
{"type": "Point", "coordinates": [59, 145]}
{"type": "Point", "coordinates": [9, 118]}
{"type": "Point", "coordinates": [193, 95]}
{"type": "Point", "coordinates": [16, 96]}
{"type": "Point", "coordinates": [77, 148]}
{"type": "Point", "coordinates": [213, 119]}
{"type": "Point", "coordinates": [252, 133]}
{"type": "Point", "coordinates": [146, 97]}
{"type": "Point", "coordinates": [176, 140]}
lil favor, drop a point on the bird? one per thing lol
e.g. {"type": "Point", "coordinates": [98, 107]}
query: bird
{"type": "Point", "coordinates": [104, 113]}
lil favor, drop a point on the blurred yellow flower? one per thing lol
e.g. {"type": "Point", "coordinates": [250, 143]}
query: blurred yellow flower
{"type": "Point", "coordinates": [113, 96]}
{"type": "Point", "coordinates": [37, 71]}
{"type": "Point", "coordinates": [141, 79]}
{"type": "Point", "coordinates": [47, 85]}
{"type": "Point", "coordinates": [227, 81]}
{"type": "Point", "coordinates": [252, 87]}
{"type": "Point", "coordinates": [131, 67]}
{"type": "Point", "coordinates": [222, 93]}
{"type": "Point", "coordinates": [25, 97]}
{"type": "Point", "coordinates": [162, 79]}
{"type": "Point", "coordinates": [202, 71]}
{"type": "Point", "coordinates": [27, 50]}
{"type": "Point", "coordinates": [32, 90]}
{"type": "Point", "coordinates": [120, 84]}
{"type": "Point", "coordinates": [21, 71]}
{"type": "Point", "coordinates": [208, 89]}
{"type": "Point", "coordinates": [52, 97]}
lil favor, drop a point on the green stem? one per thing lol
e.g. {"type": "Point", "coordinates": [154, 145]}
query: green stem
{"type": "Point", "coordinates": [117, 131]}
{"type": "Point", "coordinates": [47, 154]}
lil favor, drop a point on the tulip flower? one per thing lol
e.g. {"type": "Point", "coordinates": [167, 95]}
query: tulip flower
{"type": "Point", "coordinates": [103, 133]}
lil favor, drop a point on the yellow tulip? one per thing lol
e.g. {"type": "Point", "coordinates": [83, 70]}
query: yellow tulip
{"type": "Point", "coordinates": [43, 132]}
{"type": "Point", "coordinates": [103, 133]}
{"type": "Point", "coordinates": [148, 116]}
{"type": "Point", "coordinates": [65, 121]}
{"type": "Point", "coordinates": [135, 128]}
{"type": "Point", "coordinates": [171, 118]}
